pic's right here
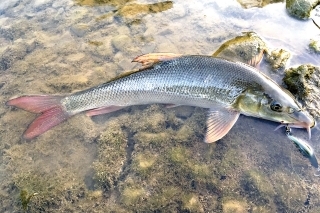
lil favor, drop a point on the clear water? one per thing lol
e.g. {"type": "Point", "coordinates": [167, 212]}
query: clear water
{"type": "Point", "coordinates": [142, 158]}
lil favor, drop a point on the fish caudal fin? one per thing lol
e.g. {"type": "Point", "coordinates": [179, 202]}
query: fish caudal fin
{"type": "Point", "coordinates": [219, 123]}
{"type": "Point", "coordinates": [52, 111]}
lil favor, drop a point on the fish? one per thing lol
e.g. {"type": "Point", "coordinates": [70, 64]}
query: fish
{"type": "Point", "coordinates": [226, 88]}
{"type": "Point", "coordinates": [304, 148]}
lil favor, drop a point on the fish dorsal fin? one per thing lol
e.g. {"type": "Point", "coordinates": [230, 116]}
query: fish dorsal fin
{"type": "Point", "coordinates": [122, 75]}
{"type": "Point", "coordinates": [148, 60]}
{"type": "Point", "coordinates": [248, 66]}
{"type": "Point", "coordinates": [219, 122]}
{"type": "Point", "coordinates": [255, 60]}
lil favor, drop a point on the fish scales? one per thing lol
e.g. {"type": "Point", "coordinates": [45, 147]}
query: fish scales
{"type": "Point", "coordinates": [189, 80]}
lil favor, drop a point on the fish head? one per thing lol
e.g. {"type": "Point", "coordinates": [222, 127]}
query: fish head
{"type": "Point", "coordinates": [275, 105]}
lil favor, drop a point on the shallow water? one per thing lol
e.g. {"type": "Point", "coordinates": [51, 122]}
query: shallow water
{"type": "Point", "coordinates": [57, 47]}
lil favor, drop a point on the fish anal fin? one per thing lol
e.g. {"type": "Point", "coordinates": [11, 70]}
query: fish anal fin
{"type": "Point", "coordinates": [219, 123]}
{"type": "Point", "coordinates": [148, 60]}
{"type": "Point", "coordinates": [46, 121]}
{"type": "Point", "coordinates": [103, 110]}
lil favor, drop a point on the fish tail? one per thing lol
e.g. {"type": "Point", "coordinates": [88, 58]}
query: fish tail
{"type": "Point", "coordinates": [50, 107]}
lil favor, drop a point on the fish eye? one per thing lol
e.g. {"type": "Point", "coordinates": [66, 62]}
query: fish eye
{"type": "Point", "coordinates": [290, 110]}
{"type": "Point", "coordinates": [276, 106]}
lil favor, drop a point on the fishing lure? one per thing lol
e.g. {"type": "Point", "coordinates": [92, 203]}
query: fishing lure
{"type": "Point", "coordinates": [305, 149]}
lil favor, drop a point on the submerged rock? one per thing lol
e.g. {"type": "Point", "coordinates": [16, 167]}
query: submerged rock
{"type": "Point", "coordinates": [315, 44]}
{"type": "Point", "coordinates": [301, 8]}
{"type": "Point", "coordinates": [121, 42]}
{"type": "Point", "coordinates": [79, 29]}
{"type": "Point", "coordinates": [278, 58]}
{"type": "Point", "coordinates": [304, 82]}
{"type": "Point", "coordinates": [12, 54]}
{"type": "Point", "coordinates": [247, 48]}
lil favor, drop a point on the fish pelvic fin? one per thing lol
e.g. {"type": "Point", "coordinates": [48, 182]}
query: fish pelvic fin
{"type": "Point", "coordinates": [219, 123]}
{"type": "Point", "coordinates": [148, 60]}
{"type": "Point", "coordinates": [103, 110]}
{"type": "Point", "coordinates": [52, 113]}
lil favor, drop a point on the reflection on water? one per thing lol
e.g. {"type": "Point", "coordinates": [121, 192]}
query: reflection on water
{"type": "Point", "coordinates": [143, 158]}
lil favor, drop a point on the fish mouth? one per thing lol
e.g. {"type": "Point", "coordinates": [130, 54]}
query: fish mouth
{"type": "Point", "coordinates": [303, 120]}
{"type": "Point", "coordinates": [306, 125]}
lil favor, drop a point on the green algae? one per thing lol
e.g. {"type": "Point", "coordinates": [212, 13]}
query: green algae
{"type": "Point", "coordinates": [95, 43]}
{"type": "Point", "coordinates": [182, 158]}
{"type": "Point", "coordinates": [229, 162]}
{"type": "Point", "coordinates": [111, 156]}
{"type": "Point", "coordinates": [161, 167]}
{"type": "Point", "coordinates": [143, 163]}
{"type": "Point", "coordinates": [192, 203]}
{"type": "Point", "coordinates": [258, 187]}
{"type": "Point", "coordinates": [278, 58]}
{"type": "Point", "coordinates": [132, 195]}
{"type": "Point", "coordinates": [234, 206]}
{"type": "Point", "coordinates": [38, 192]}
{"type": "Point", "coordinates": [303, 81]}
{"type": "Point", "coordinates": [315, 45]}
{"type": "Point", "coordinates": [293, 193]}
{"type": "Point", "coordinates": [296, 80]}
{"type": "Point", "coordinates": [25, 198]}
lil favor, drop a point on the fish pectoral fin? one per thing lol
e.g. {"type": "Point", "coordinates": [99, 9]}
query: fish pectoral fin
{"type": "Point", "coordinates": [148, 60]}
{"type": "Point", "coordinates": [219, 122]}
{"type": "Point", "coordinates": [103, 110]}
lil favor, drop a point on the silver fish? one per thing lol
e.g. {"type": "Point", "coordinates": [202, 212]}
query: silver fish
{"type": "Point", "coordinates": [226, 88]}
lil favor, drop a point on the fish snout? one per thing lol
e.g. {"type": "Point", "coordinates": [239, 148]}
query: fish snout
{"type": "Point", "coordinates": [304, 119]}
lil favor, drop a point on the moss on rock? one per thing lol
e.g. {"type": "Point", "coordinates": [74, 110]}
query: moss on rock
{"type": "Point", "coordinates": [278, 58]}
{"type": "Point", "coordinates": [258, 188]}
{"type": "Point", "coordinates": [303, 81]}
{"type": "Point", "coordinates": [300, 8]}
{"type": "Point", "coordinates": [111, 156]}
{"type": "Point", "coordinates": [234, 206]}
